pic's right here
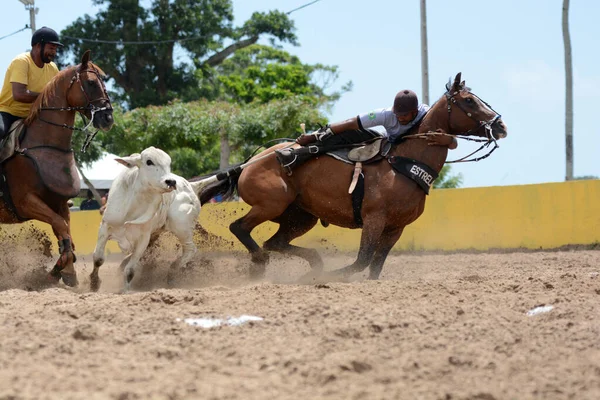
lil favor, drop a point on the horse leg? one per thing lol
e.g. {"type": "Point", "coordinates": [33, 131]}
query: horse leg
{"type": "Point", "coordinates": [293, 223]}
{"type": "Point", "coordinates": [242, 228]}
{"type": "Point", "coordinates": [387, 240]}
{"type": "Point", "coordinates": [35, 208]}
{"type": "Point", "coordinates": [372, 231]}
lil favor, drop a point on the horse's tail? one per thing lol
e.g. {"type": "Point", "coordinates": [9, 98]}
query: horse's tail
{"type": "Point", "coordinates": [226, 187]}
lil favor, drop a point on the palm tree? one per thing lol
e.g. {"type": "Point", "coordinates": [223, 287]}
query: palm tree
{"type": "Point", "coordinates": [569, 89]}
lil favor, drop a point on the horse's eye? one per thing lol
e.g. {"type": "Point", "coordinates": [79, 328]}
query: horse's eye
{"type": "Point", "coordinates": [469, 100]}
{"type": "Point", "coordinates": [149, 162]}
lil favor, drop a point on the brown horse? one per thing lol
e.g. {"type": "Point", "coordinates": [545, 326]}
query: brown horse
{"type": "Point", "coordinates": [41, 176]}
{"type": "Point", "coordinates": [318, 189]}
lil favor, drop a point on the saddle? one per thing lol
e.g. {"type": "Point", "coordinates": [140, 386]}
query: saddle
{"type": "Point", "coordinates": [10, 144]}
{"type": "Point", "coordinates": [365, 153]}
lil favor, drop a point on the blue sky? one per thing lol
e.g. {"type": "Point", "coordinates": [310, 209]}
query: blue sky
{"type": "Point", "coordinates": [510, 53]}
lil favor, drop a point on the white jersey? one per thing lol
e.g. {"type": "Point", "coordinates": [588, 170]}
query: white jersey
{"type": "Point", "coordinates": [385, 117]}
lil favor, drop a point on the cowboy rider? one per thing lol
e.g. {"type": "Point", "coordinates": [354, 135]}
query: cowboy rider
{"type": "Point", "coordinates": [26, 76]}
{"type": "Point", "coordinates": [397, 120]}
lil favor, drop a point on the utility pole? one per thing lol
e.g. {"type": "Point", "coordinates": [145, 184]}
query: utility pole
{"type": "Point", "coordinates": [33, 10]}
{"type": "Point", "coordinates": [569, 90]}
{"type": "Point", "coordinates": [424, 62]}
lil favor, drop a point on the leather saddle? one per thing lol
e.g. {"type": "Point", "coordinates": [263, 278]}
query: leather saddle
{"type": "Point", "coordinates": [10, 144]}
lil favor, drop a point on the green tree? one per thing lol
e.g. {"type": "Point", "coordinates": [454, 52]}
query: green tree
{"type": "Point", "coordinates": [263, 73]}
{"type": "Point", "coordinates": [447, 181]}
{"type": "Point", "coordinates": [147, 74]}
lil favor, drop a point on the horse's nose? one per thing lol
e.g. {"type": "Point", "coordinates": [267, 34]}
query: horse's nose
{"type": "Point", "coordinates": [170, 183]}
{"type": "Point", "coordinates": [500, 129]}
{"type": "Point", "coordinates": [106, 120]}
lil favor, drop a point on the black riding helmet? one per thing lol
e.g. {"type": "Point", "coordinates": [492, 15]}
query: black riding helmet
{"type": "Point", "coordinates": [45, 35]}
{"type": "Point", "coordinates": [405, 102]}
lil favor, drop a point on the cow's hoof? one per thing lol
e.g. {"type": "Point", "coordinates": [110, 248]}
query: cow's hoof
{"type": "Point", "coordinates": [171, 281]}
{"type": "Point", "coordinates": [95, 284]}
{"type": "Point", "coordinates": [69, 279]}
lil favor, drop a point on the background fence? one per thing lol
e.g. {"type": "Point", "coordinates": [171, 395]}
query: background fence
{"type": "Point", "coordinates": [529, 216]}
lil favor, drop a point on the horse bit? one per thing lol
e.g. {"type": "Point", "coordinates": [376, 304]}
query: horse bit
{"type": "Point", "coordinates": [90, 106]}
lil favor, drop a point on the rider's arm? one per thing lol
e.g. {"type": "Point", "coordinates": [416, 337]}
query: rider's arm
{"type": "Point", "coordinates": [22, 94]}
{"type": "Point", "coordinates": [347, 125]}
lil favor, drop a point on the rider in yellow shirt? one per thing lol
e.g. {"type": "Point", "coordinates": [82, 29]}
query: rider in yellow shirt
{"type": "Point", "coordinates": [26, 76]}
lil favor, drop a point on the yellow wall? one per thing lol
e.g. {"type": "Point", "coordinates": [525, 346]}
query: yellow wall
{"type": "Point", "coordinates": [531, 216]}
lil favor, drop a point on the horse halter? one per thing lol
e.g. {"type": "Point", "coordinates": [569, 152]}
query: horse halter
{"type": "Point", "coordinates": [89, 106]}
{"type": "Point", "coordinates": [487, 125]}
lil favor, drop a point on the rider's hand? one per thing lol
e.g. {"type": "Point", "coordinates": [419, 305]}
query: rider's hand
{"type": "Point", "coordinates": [439, 138]}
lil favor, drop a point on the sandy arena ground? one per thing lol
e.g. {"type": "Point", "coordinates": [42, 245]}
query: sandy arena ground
{"type": "Point", "coordinates": [451, 326]}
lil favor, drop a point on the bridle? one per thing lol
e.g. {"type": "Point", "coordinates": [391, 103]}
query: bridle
{"type": "Point", "coordinates": [93, 109]}
{"type": "Point", "coordinates": [487, 125]}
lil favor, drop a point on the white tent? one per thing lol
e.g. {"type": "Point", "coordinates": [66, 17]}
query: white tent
{"type": "Point", "coordinates": [102, 172]}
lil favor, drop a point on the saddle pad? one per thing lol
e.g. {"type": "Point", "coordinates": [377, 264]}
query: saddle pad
{"type": "Point", "coordinates": [421, 173]}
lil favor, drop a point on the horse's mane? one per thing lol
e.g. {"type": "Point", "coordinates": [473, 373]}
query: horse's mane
{"type": "Point", "coordinates": [49, 90]}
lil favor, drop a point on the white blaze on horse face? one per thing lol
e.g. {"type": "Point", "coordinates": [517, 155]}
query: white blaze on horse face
{"type": "Point", "coordinates": [155, 170]}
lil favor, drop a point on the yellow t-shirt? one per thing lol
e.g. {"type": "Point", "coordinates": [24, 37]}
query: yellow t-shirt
{"type": "Point", "coordinates": [23, 70]}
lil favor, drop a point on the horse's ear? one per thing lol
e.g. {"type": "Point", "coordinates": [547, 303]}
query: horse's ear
{"type": "Point", "coordinates": [85, 59]}
{"type": "Point", "coordinates": [456, 84]}
{"type": "Point", "coordinates": [133, 160]}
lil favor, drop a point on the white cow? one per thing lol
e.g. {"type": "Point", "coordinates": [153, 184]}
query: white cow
{"type": "Point", "coordinates": [145, 200]}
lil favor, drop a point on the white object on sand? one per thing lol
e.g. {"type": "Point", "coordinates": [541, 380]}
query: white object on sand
{"type": "Point", "coordinates": [214, 322]}
{"type": "Point", "coordinates": [539, 310]}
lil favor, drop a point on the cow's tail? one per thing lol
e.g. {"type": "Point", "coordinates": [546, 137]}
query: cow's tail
{"type": "Point", "coordinates": [225, 188]}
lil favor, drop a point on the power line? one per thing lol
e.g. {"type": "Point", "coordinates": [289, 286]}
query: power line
{"type": "Point", "coordinates": [144, 42]}
{"type": "Point", "coordinates": [301, 7]}
{"type": "Point", "coordinates": [128, 42]}
{"type": "Point", "coordinates": [14, 33]}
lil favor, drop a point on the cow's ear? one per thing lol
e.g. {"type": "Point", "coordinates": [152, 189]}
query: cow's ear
{"type": "Point", "coordinates": [133, 160]}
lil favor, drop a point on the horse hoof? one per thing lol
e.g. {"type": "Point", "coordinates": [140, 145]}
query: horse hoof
{"type": "Point", "coordinates": [261, 258]}
{"type": "Point", "coordinates": [257, 272]}
{"type": "Point", "coordinates": [69, 279]}
{"type": "Point", "coordinates": [52, 279]}
{"type": "Point", "coordinates": [310, 278]}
